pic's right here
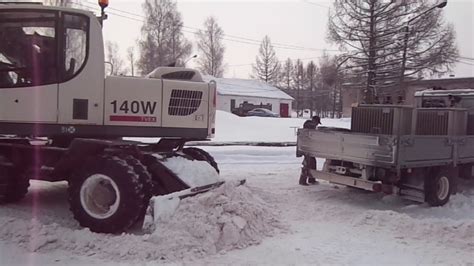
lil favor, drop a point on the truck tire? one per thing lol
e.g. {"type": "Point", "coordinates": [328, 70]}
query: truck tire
{"type": "Point", "coordinates": [201, 155]}
{"type": "Point", "coordinates": [439, 185]}
{"type": "Point", "coordinates": [13, 183]}
{"type": "Point", "coordinates": [106, 195]}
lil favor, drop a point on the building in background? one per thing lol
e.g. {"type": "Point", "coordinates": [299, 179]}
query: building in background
{"type": "Point", "coordinates": [241, 95]}
{"type": "Point", "coordinates": [349, 95]}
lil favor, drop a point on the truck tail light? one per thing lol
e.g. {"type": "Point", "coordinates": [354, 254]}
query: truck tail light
{"type": "Point", "coordinates": [377, 187]}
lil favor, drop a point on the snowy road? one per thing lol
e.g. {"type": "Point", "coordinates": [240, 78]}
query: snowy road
{"type": "Point", "coordinates": [326, 225]}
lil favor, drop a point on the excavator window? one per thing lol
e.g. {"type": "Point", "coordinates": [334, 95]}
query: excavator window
{"type": "Point", "coordinates": [75, 44]}
{"type": "Point", "coordinates": [33, 53]}
{"type": "Point", "coordinates": [28, 50]}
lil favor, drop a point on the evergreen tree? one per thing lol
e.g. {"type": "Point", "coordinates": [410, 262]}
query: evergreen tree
{"type": "Point", "coordinates": [286, 74]}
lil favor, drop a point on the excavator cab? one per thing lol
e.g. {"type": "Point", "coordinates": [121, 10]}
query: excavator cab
{"type": "Point", "coordinates": [32, 54]}
{"type": "Point", "coordinates": [44, 60]}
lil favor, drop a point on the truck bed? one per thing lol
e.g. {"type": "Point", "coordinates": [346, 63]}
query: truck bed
{"type": "Point", "coordinates": [389, 151]}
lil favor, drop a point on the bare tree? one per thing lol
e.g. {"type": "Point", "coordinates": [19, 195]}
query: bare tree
{"type": "Point", "coordinates": [131, 59]}
{"type": "Point", "coordinates": [212, 49]}
{"type": "Point", "coordinates": [286, 74]}
{"type": "Point", "coordinates": [299, 80]}
{"type": "Point", "coordinates": [113, 57]}
{"type": "Point", "coordinates": [267, 66]}
{"type": "Point", "coordinates": [373, 32]}
{"type": "Point", "coordinates": [312, 79]}
{"type": "Point", "coordinates": [329, 77]}
{"type": "Point", "coordinates": [162, 42]}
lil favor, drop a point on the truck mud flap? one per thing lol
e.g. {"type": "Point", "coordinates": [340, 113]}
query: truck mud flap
{"type": "Point", "coordinates": [412, 193]}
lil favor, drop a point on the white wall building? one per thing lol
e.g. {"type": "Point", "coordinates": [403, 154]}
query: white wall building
{"type": "Point", "coordinates": [231, 93]}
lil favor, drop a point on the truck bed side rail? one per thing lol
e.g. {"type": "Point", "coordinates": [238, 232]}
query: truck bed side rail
{"type": "Point", "coordinates": [377, 150]}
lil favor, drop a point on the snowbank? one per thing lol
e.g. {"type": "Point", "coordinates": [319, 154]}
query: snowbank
{"type": "Point", "coordinates": [223, 219]}
{"type": "Point", "coordinates": [193, 173]}
{"type": "Point", "coordinates": [232, 128]}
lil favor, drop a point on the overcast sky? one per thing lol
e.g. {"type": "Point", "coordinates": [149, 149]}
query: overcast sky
{"type": "Point", "coordinates": [299, 24]}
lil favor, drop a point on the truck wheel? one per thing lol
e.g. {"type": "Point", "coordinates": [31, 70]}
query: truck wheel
{"type": "Point", "coordinates": [106, 195]}
{"type": "Point", "coordinates": [13, 184]}
{"type": "Point", "coordinates": [439, 187]}
{"type": "Point", "coordinates": [201, 155]}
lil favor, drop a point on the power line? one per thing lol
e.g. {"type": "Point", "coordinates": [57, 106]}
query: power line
{"type": "Point", "coordinates": [466, 63]}
{"type": "Point", "coordinates": [316, 4]}
{"type": "Point", "coordinates": [250, 41]}
{"type": "Point", "coordinates": [229, 37]}
{"type": "Point", "coordinates": [466, 58]}
{"type": "Point", "coordinates": [280, 61]}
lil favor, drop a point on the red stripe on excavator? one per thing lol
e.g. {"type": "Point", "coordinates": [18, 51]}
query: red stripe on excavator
{"type": "Point", "coordinates": [128, 118]}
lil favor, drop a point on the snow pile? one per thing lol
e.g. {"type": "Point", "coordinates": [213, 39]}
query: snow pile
{"type": "Point", "coordinates": [226, 218]}
{"type": "Point", "coordinates": [194, 173]}
{"type": "Point", "coordinates": [223, 219]}
{"type": "Point", "coordinates": [459, 207]}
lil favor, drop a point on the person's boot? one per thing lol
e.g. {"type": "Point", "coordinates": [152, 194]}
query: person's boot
{"type": "Point", "coordinates": [312, 181]}
{"type": "Point", "coordinates": [303, 178]}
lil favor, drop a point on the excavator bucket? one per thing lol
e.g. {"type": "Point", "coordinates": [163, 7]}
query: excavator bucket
{"type": "Point", "coordinates": [161, 208]}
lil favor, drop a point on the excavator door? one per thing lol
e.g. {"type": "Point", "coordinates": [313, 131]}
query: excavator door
{"type": "Point", "coordinates": [29, 71]}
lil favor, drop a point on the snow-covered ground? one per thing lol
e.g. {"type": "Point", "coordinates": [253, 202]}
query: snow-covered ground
{"type": "Point", "coordinates": [234, 129]}
{"type": "Point", "coordinates": [290, 224]}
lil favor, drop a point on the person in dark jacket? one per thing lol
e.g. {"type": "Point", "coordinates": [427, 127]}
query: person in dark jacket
{"type": "Point", "coordinates": [308, 161]}
{"type": "Point", "coordinates": [313, 123]}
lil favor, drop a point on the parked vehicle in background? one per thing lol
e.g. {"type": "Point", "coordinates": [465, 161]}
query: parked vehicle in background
{"type": "Point", "coordinates": [245, 107]}
{"type": "Point", "coordinates": [262, 112]}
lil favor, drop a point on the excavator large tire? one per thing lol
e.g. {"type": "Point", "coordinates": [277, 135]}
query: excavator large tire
{"type": "Point", "coordinates": [145, 179]}
{"type": "Point", "coordinates": [201, 155]}
{"type": "Point", "coordinates": [13, 183]}
{"type": "Point", "coordinates": [107, 195]}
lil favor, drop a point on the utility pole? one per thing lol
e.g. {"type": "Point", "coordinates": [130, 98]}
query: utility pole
{"type": "Point", "coordinates": [298, 96]}
{"type": "Point", "coordinates": [338, 66]}
{"type": "Point", "coordinates": [368, 93]}
{"type": "Point", "coordinates": [406, 31]}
